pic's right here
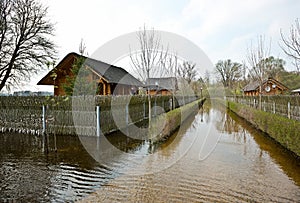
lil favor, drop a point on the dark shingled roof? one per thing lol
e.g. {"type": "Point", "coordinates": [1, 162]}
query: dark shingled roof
{"type": "Point", "coordinates": [111, 73]}
{"type": "Point", "coordinates": [168, 83]}
{"type": "Point", "coordinates": [251, 86]}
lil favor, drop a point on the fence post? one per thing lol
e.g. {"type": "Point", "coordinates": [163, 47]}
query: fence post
{"type": "Point", "coordinates": [289, 110]}
{"type": "Point", "coordinates": [155, 106]}
{"type": "Point", "coordinates": [126, 115]}
{"type": "Point", "coordinates": [264, 104]}
{"type": "Point", "coordinates": [44, 119]}
{"type": "Point", "coordinates": [144, 105]}
{"type": "Point", "coordinates": [274, 111]}
{"type": "Point", "coordinates": [98, 120]}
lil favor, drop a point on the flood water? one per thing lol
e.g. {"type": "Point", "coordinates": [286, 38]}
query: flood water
{"type": "Point", "coordinates": [215, 157]}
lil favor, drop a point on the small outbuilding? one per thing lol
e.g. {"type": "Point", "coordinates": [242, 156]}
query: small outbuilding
{"type": "Point", "coordinates": [161, 86]}
{"type": "Point", "coordinates": [269, 87]}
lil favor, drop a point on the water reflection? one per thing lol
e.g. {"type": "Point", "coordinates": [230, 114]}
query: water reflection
{"type": "Point", "coordinates": [239, 169]}
{"type": "Point", "coordinates": [239, 130]}
{"type": "Point", "coordinates": [267, 146]}
{"type": "Point", "coordinates": [29, 174]}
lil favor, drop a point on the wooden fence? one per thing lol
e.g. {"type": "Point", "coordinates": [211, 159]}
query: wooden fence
{"type": "Point", "coordinates": [78, 115]}
{"type": "Point", "coordinates": [288, 106]}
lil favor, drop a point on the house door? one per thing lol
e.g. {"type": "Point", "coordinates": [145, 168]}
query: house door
{"type": "Point", "coordinates": [100, 89]}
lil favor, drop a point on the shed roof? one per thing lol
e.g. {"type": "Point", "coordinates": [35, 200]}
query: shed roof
{"type": "Point", "coordinates": [251, 86]}
{"type": "Point", "coordinates": [168, 83]}
{"type": "Point", "coordinates": [296, 90]}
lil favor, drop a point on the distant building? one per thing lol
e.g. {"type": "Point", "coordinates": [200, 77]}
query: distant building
{"type": "Point", "coordinates": [162, 86]}
{"type": "Point", "coordinates": [4, 94]}
{"type": "Point", "coordinates": [269, 87]}
{"type": "Point", "coordinates": [109, 79]}
{"type": "Point", "coordinates": [27, 93]}
{"type": "Point", "coordinates": [43, 93]}
{"type": "Point", "coordinates": [23, 93]}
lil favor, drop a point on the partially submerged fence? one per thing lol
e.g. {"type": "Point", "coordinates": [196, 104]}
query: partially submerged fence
{"type": "Point", "coordinates": [288, 106]}
{"type": "Point", "coordinates": [80, 115]}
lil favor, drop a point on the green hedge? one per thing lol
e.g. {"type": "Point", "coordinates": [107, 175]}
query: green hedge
{"type": "Point", "coordinates": [283, 130]}
{"type": "Point", "coordinates": [167, 123]}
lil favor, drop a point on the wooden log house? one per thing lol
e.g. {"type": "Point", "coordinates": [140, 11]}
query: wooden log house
{"type": "Point", "coordinates": [109, 79]}
{"type": "Point", "coordinates": [269, 87]}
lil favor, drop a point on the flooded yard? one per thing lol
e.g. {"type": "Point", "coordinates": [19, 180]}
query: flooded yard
{"type": "Point", "coordinates": [215, 156]}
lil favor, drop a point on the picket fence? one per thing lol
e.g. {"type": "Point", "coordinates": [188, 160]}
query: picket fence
{"type": "Point", "coordinates": [284, 105]}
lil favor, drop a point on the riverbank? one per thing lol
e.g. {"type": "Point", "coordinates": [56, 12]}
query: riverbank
{"type": "Point", "coordinates": [165, 124]}
{"type": "Point", "coordinates": [283, 130]}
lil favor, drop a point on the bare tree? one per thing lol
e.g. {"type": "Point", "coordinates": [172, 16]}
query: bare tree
{"type": "Point", "coordinates": [291, 44]}
{"type": "Point", "coordinates": [170, 65]}
{"type": "Point", "coordinates": [207, 78]}
{"type": "Point", "coordinates": [146, 61]}
{"type": "Point", "coordinates": [24, 44]}
{"type": "Point", "coordinates": [255, 57]}
{"type": "Point", "coordinates": [273, 66]}
{"type": "Point", "coordinates": [82, 48]}
{"type": "Point", "coordinates": [228, 72]}
{"type": "Point", "coordinates": [187, 71]}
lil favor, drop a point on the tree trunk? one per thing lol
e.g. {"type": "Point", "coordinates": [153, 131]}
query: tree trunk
{"type": "Point", "coordinates": [149, 107]}
{"type": "Point", "coordinates": [8, 71]}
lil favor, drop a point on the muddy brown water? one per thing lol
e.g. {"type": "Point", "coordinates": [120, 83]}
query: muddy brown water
{"type": "Point", "coordinates": [215, 156]}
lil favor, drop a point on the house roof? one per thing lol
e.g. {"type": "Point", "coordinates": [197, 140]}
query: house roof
{"type": "Point", "coordinates": [255, 85]}
{"type": "Point", "coordinates": [169, 83]}
{"type": "Point", "coordinates": [111, 73]}
{"type": "Point", "coordinates": [296, 90]}
{"type": "Point", "coordinates": [251, 86]}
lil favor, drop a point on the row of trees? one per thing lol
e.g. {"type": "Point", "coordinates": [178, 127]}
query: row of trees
{"type": "Point", "coordinates": [260, 65]}
{"type": "Point", "coordinates": [153, 60]}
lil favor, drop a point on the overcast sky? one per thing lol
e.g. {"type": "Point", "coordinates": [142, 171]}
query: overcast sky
{"type": "Point", "coordinates": [221, 28]}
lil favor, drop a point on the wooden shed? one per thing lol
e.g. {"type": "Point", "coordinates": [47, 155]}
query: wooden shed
{"type": "Point", "coordinates": [269, 87]}
{"type": "Point", "coordinates": [162, 86]}
{"type": "Point", "coordinates": [109, 79]}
